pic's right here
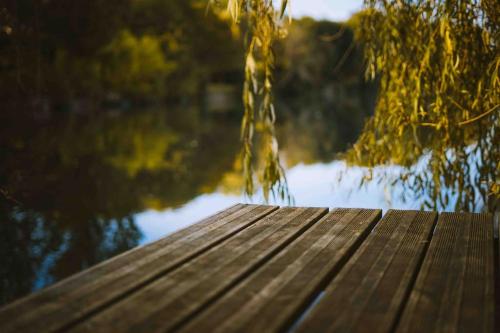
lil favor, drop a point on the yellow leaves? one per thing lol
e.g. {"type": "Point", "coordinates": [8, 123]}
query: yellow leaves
{"type": "Point", "coordinates": [264, 27]}
{"type": "Point", "coordinates": [495, 108]}
{"type": "Point", "coordinates": [139, 150]}
{"type": "Point", "coordinates": [251, 68]}
{"type": "Point", "coordinates": [486, 38]}
{"type": "Point", "coordinates": [457, 62]}
{"type": "Point", "coordinates": [443, 25]}
{"type": "Point", "coordinates": [448, 43]}
{"type": "Point", "coordinates": [439, 71]}
{"type": "Point", "coordinates": [233, 7]}
{"type": "Point", "coordinates": [144, 60]}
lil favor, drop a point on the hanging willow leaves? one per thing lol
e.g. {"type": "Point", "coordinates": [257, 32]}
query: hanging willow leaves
{"type": "Point", "coordinates": [438, 64]}
{"type": "Point", "coordinates": [264, 25]}
{"type": "Point", "coordinates": [438, 109]}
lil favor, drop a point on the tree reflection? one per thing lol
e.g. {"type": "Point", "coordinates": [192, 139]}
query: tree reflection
{"type": "Point", "coordinates": [73, 183]}
{"type": "Point", "coordinates": [86, 143]}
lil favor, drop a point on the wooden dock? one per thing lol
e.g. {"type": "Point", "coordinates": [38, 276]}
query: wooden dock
{"type": "Point", "coordinates": [254, 268]}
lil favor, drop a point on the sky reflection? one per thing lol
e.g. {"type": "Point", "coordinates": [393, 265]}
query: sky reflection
{"type": "Point", "coordinates": [314, 185]}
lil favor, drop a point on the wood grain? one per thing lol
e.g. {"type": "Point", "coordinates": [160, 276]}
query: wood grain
{"type": "Point", "coordinates": [72, 299]}
{"type": "Point", "coordinates": [271, 299]}
{"type": "Point", "coordinates": [254, 268]}
{"type": "Point", "coordinates": [454, 290]}
{"type": "Point", "coordinates": [166, 303]}
{"type": "Point", "coordinates": [371, 289]}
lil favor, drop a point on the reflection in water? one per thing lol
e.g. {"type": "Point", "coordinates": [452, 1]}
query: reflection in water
{"type": "Point", "coordinates": [72, 184]}
{"type": "Point", "coordinates": [79, 182]}
{"type": "Point", "coordinates": [78, 188]}
{"type": "Point", "coordinates": [313, 185]}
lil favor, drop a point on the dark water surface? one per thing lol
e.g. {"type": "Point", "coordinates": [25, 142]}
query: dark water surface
{"type": "Point", "coordinates": [88, 171]}
{"type": "Point", "coordinates": [80, 187]}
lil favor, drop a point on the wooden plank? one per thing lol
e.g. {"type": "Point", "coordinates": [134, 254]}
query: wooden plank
{"type": "Point", "coordinates": [371, 289]}
{"type": "Point", "coordinates": [454, 289]}
{"type": "Point", "coordinates": [169, 301]}
{"type": "Point", "coordinates": [270, 299]}
{"type": "Point", "coordinates": [72, 299]}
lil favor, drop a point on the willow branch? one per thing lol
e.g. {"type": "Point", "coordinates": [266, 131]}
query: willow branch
{"type": "Point", "coordinates": [468, 121]}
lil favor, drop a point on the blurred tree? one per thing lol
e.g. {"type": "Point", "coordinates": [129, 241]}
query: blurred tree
{"type": "Point", "coordinates": [33, 32]}
{"type": "Point", "coordinates": [71, 185]}
{"type": "Point", "coordinates": [135, 66]}
{"type": "Point", "coordinates": [263, 25]}
{"type": "Point", "coordinates": [138, 49]}
{"type": "Point", "coordinates": [321, 65]}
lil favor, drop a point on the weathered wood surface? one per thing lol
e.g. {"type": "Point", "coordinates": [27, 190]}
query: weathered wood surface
{"type": "Point", "coordinates": [271, 298]}
{"type": "Point", "coordinates": [196, 284]}
{"type": "Point", "coordinates": [371, 290]}
{"type": "Point", "coordinates": [455, 287]}
{"type": "Point", "coordinates": [255, 268]}
{"type": "Point", "coordinates": [85, 293]}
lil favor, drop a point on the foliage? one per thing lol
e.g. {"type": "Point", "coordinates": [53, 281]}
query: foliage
{"type": "Point", "coordinates": [291, 64]}
{"type": "Point", "coordinates": [264, 25]}
{"type": "Point", "coordinates": [438, 63]}
{"type": "Point", "coordinates": [135, 49]}
{"type": "Point", "coordinates": [321, 93]}
{"type": "Point", "coordinates": [144, 61]}
{"type": "Point", "coordinates": [316, 54]}
{"type": "Point", "coordinates": [71, 184]}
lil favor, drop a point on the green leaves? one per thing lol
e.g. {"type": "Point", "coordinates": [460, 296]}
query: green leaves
{"type": "Point", "coordinates": [264, 25]}
{"type": "Point", "coordinates": [438, 95]}
{"type": "Point", "coordinates": [233, 7]}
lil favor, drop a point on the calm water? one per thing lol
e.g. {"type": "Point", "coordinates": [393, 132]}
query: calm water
{"type": "Point", "coordinates": [79, 187]}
